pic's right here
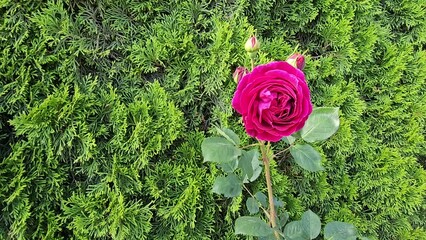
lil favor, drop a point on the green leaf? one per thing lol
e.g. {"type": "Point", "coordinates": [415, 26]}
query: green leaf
{"type": "Point", "coordinates": [340, 231]}
{"type": "Point", "coordinates": [252, 226]}
{"type": "Point", "coordinates": [262, 199]}
{"type": "Point", "coordinates": [250, 165]}
{"type": "Point", "coordinates": [289, 139]}
{"type": "Point", "coordinates": [311, 224]}
{"type": "Point", "coordinates": [278, 203]}
{"type": "Point", "coordinates": [229, 186]}
{"type": "Point", "coordinates": [229, 135]}
{"type": "Point", "coordinates": [256, 174]}
{"type": "Point", "coordinates": [229, 167]}
{"type": "Point", "coordinates": [252, 205]}
{"type": "Point", "coordinates": [219, 150]}
{"type": "Point", "coordinates": [294, 231]}
{"type": "Point", "coordinates": [245, 162]}
{"type": "Point", "coordinates": [282, 219]}
{"type": "Point", "coordinates": [296, 135]}
{"type": "Point", "coordinates": [269, 237]}
{"type": "Point", "coordinates": [306, 157]}
{"type": "Point", "coordinates": [321, 124]}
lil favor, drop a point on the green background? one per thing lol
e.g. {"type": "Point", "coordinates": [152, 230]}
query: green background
{"type": "Point", "coordinates": [104, 105]}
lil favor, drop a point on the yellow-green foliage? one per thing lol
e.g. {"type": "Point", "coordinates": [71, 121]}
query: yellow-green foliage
{"type": "Point", "coordinates": [104, 105]}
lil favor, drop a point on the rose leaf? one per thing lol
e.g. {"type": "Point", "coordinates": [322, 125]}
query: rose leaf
{"type": "Point", "coordinates": [229, 186]}
{"type": "Point", "coordinates": [340, 230]}
{"type": "Point", "coordinates": [262, 198]}
{"type": "Point", "coordinates": [252, 205]}
{"type": "Point", "coordinates": [321, 124]}
{"type": "Point", "coordinates": [306, 157]}
{"type": "Point", "coordinates": [252, 226]}
{"type": "Point", "coordinates": [294, 231]}
{"type": "Point", "coordinates": [250, 165]}
{"type": "Point", "coordinates": [219, 150]}
{"type": "Point", "coordinates": [311, 224]}
{"type": "Point", "coordinates": [229, 135]}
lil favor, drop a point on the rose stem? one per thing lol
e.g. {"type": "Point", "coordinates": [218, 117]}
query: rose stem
{"type": "Point", "coordinates": [252, 64]}
{"type": "Point", "coordinates": [251, 145]}
{"type": "Point", "coordinates": [266, 159]}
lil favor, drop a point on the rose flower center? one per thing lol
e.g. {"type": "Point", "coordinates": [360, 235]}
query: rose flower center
{"type": "Point", "coordinates": [277, 104]}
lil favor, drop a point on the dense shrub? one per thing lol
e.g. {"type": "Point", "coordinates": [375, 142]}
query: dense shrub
{"type": "Point", "coordinates": [104, 105]}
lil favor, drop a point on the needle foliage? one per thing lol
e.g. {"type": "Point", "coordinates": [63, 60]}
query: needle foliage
{"type": "Point", "coordinates": [104, 105]}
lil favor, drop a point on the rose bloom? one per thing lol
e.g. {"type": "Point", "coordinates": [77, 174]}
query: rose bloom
{"type": "Point", "coordinates": [274, 101]}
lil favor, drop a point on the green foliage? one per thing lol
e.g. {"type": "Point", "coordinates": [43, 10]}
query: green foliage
{"type": "Point", "coordinates": [308, 227]}
{"type": "Point", "coordinates": [222, 150]}
{"type": "Point", "coordinates": [219, 150]}
{"type": "Point", "coordinates": [250, 165]}
{"type": "Point", "coordinates": [306, 157]}
{"type": "Point", "coordinates": [311, 223]}
{"type": "Point", "coordinates": [230, 158]}
{"type": "Point", "coordinates": [321, 124]}
{"type": "Point", "coordinates": [340, 230]}
{"type": "Point", "coordinates": [229, 186]}
{"type": "Point", "coordinates": [252, 226]}
{"type": "Point", "coordinates": [104, 106]}
{"type": "Point", "coordinates": [252, 205]}
{"type": "Point", "coordinates": [100, 216]}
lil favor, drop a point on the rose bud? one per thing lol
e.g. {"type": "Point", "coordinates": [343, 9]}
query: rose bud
{"type": "Point", "coordinates": [252, 44]}
{"type": "Point", "coordinates": [297, 60]}
{"type": "Point", "coordinates": [239, 73]}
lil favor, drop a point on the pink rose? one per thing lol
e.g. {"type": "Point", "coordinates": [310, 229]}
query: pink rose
{"type": "Point", "coordinates": [274, 100]}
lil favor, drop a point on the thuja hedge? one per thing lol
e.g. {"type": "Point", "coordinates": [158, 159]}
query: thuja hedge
{"type": "Point", "coordinates": [104, 105]}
